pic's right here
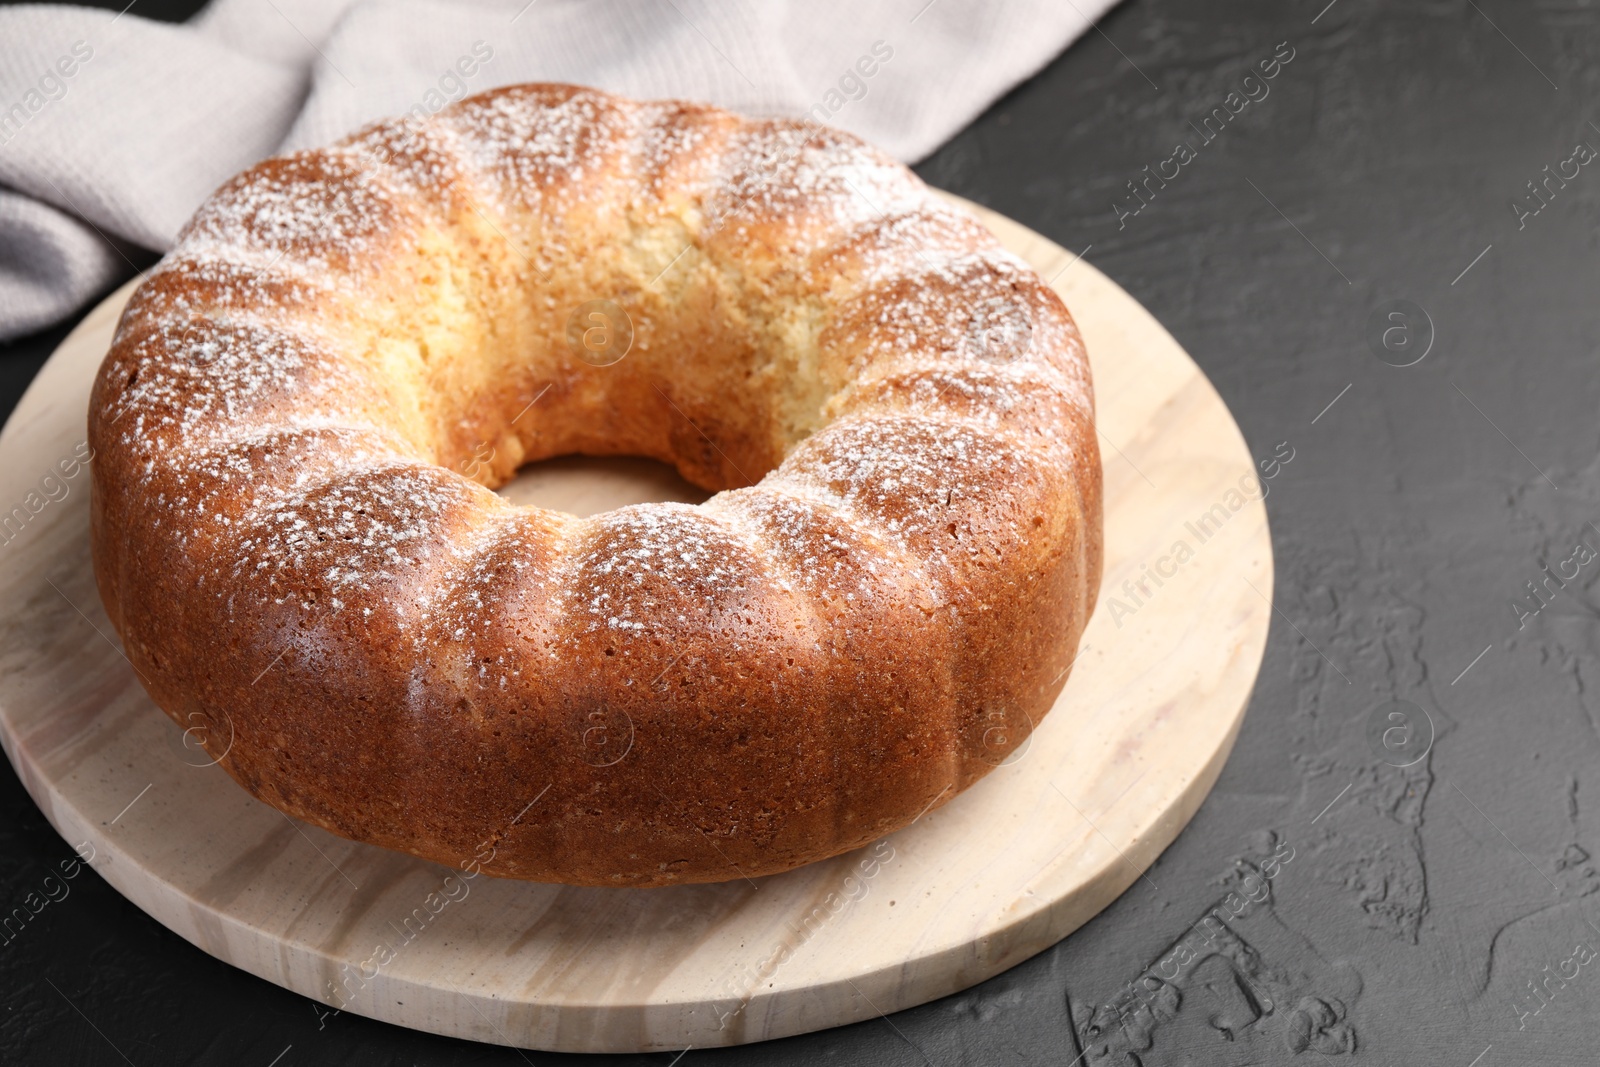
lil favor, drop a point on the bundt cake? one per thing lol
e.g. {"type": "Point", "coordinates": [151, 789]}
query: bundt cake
{"type": "Point", "coordinates": [309, 402]}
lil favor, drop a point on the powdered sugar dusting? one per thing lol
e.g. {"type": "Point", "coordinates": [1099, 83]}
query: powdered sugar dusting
{"type": "Point", "coordinates": [197, 382]}
{"type": "Point", "coordinates": [807, 179]}
{"type": "Point", "coordinates": [675, 147]}
{"type": "Point", "coordinates": [226, 487]}
{"type": "Point", "coordinates": [541, 141]}
{"type": "Point", "coordinates": [982, 306]}
{"type": "Point", "coordinates": [636, 556]}
{"type": "Point", "coordinates": [498, 601]}
{"type": "Point", "coordinates": [920, 482]}
{"type": "Point", "coordinates": [876, 252]}
{"type": "Point", "coordinates": [322, 209]}
{"type": "Point", "coordinates": [371, 536]}
{"type": "Point", "coordinates": [952, 352]}
{"type": "Point", "coordinates": [825, 548]}
{"type": "Point", "coordinates": [1018, 400]}
{"type": "Point", "coordinates": [188, 284]}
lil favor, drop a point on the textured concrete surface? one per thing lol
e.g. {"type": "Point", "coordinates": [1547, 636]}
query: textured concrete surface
{"type": "Point", "coordinates": [1415, 890]}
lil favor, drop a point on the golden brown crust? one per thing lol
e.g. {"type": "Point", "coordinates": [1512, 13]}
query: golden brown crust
{"type": "Point", "coordinates": [308, 402]}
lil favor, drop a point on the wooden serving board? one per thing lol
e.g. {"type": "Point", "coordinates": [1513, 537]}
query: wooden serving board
{"type": "Point", "coordinates": [1002, 872]}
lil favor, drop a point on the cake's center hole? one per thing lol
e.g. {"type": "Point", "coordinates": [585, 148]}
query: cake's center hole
{"type": "Point", "coordinates": [587, 485]}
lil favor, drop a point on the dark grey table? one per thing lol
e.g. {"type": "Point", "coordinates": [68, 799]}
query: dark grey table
{"type": "Point", "coordinates": [1416, 770]}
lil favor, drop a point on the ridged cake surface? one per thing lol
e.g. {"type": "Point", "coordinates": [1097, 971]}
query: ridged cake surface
{"type": "Point", "coordinates": [308, 404]}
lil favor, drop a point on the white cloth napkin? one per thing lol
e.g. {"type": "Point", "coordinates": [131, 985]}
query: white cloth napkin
{"type": "Point", "coordinates": [114, 128]}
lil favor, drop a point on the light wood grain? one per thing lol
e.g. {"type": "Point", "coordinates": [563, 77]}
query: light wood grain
{"type": "Point", "coordinates": [1002, 872]}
